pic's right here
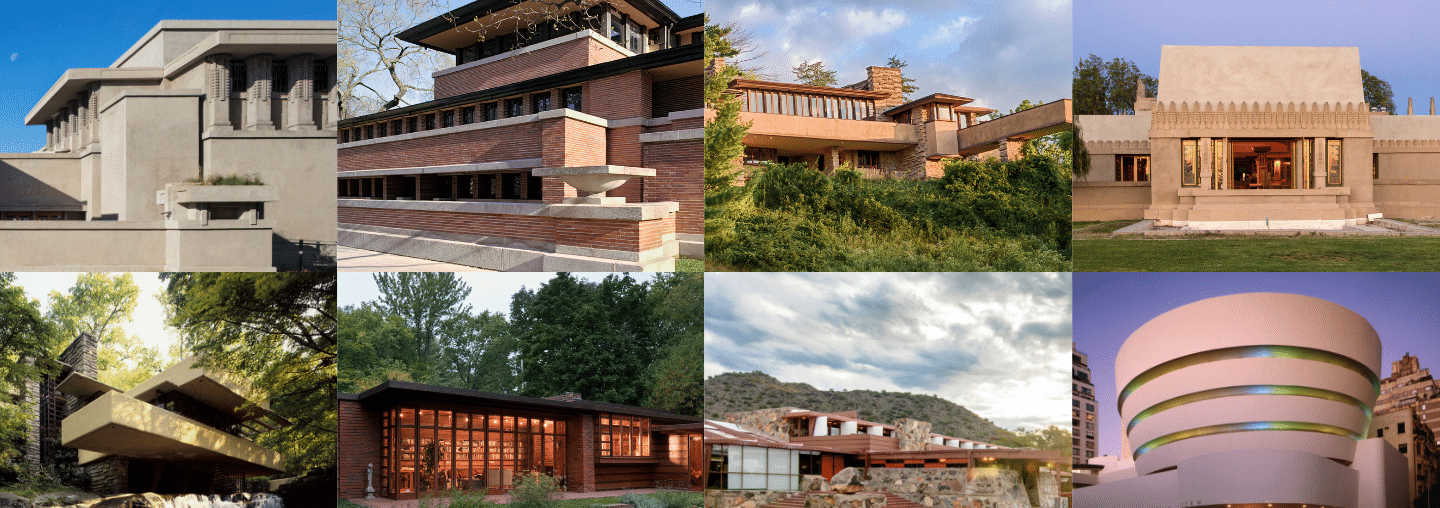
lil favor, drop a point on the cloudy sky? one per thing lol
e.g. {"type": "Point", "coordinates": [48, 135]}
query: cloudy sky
{"type": "Point", "coordinates": [488, 291]}
{"type": "Point", "coordinates": [998, 52]}
{"type": "Point", "coordinates": [1396, 38]}
{"type": "Point", "coordinates": [994, 343]}
{"type": "Point", "coordinates": [1404, 308]}
{"type": "Point", "coordinates": [39, 41]}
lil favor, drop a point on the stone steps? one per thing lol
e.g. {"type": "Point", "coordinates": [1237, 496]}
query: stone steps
{"type": "Point", "coordinates": [894, 501]}
{"type": "Point", "coordinates": [795, 501]}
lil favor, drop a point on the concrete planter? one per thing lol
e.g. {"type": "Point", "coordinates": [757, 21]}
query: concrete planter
{"type": "Point", "coordinates": [592, 182]}
{"type": "Point", "coordinates": [195, 193]}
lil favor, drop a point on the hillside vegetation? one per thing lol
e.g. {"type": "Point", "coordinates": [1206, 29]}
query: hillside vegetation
{"type": "Point", "coordinates": [734, 391]}
{"type": "Point", "coordinates": [985, 216]}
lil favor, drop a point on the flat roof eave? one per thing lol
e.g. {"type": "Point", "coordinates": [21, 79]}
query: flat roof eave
{"type": "Point", "coordinates": [393, 392]}
{"type": "Point", "coordinates": [75, 80]}
{"type": "Point", "coordinates": [654, 9]}
{"type": "Point", "coordinates": [116, 424]}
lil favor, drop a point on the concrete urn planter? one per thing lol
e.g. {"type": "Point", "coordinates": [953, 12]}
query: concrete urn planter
{"type": "Point", "coordinates": [592, 182]}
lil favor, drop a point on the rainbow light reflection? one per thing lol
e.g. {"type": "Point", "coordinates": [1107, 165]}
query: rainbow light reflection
{"type": "Point", "coordinates": [1233, 391]}
{"type": "Point", "coordinates": [1232, 353]}
{"type": "Point", "coordinates": [1246, 427]}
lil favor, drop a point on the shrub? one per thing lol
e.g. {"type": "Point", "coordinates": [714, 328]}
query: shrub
{"type": "Point", "coordinates": [679, 498]}
{"type": "Point", "coordinates": [456, 498]}
{"type": "Point", "coordinates": [233, 179]}
{"type": "Point", "coordinates": [639, 501]}
{"type": "Point", "coordinates": [534, 490]}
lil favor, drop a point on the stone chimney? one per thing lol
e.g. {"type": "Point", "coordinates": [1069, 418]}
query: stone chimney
{"type": "Point", "coordinates": [913, 434]}
{"type": "Point", "coordinates": [888, 80]}
{"type": "Point", "coordinates": [565, 397]}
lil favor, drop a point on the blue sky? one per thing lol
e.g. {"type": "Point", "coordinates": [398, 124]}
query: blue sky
{"type": "Point", "coordinates": [488, 291]}
{"type": "Point", "coordinates": [998, 52]}
{"type": "Point", "coordinates": [1397, 39]}
{"type": "Point", "coordinates": [1404, 308]}
{"type": "Point", "coordinates": [40, 40]}
{"type": "Point", "coordinates": [995, 343]}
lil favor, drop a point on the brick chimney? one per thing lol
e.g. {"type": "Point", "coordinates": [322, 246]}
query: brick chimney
{"type": "Point", "coordinates": [888, 80]}
{"type": "Point", "coordinates": [565, 397]}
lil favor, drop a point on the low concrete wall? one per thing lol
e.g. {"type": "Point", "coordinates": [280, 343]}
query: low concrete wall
{"type": "Point", "coordinates": [1109, 200]}
{"type": "Point", "coordinates": [101, 246]}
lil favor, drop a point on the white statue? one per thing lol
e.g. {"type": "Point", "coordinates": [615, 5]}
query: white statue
{"type": "Point", "coordinates": [369, 481]}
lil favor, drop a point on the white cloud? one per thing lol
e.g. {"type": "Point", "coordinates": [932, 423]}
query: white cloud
{"type": "Point", "coordinates": [867, 23]}
{"type": "Point", "coordinates": [14, 57]}
{"type": "Point", "coordinates": [953, 32]}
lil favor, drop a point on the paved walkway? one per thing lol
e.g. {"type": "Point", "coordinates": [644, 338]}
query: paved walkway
{"type": "Point", "coordinates": [351, 259]}
{"type": "Point", "coordinates": [498, 498]}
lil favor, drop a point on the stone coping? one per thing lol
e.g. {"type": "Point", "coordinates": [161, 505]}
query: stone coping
{"type": "Point", "coordinates": [667, 136]}
{"type": "Point", "coordinates": [593, 170]}
{"type": "Point", "coordinates": [1327, 191]}
{"type": "Point", "coordinates": [534, 117]}
{"type": "Point", "coordinates": [200, 193]}
{"type": "Point", "coordinates": [627, 211]}
{"type": "Point", "coordinates": [479, 167]}
{"type": "Point", "coordinates": [130, 225]}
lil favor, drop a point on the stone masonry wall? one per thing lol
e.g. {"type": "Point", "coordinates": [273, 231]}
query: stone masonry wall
{"type": "Point", "coordinates": [769, 422]}
{"type": "Point", "coordinates": [913, 434]}
{"type": "Point", "coordinates": [886, 79]}
{"type": "Point", "coordinates": [743, 498]}
{"type": "Point", "coordinates": [954, 487]}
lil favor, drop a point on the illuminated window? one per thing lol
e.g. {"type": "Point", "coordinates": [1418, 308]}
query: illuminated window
{"type": "Point", "coordinates": [624, 436]}
{"type": "Point", "coordinates": [1132, 168]}
{"type": "Point", "coordinates": [1190, 162]}
{"type": "Point", "coordinates": [1333, 174]}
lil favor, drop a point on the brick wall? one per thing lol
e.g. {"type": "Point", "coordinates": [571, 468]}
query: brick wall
{"type": "Point", "coordinates": [504, 226]}
{"type": "Point", "coordinates": [614, 97]}
{"type": "Point", "coordinates": [569, 142]}
{"type": "Point", "coordinates": [613, 235]}
{"type": "Point", "coordinates": [542, 62]}
{"type": "Point", "coordinates": [677, 95]}
{"type": "Point", "coordinates": [580, 453]}
{"type": "Point", "coordinates": [679, 176]}
{"type": "Point", "coordinates": [485, 145]}
{"type": "Point", "coordinates": [360, 443]}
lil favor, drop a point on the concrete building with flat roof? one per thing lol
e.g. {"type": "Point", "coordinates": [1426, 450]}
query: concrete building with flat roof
{"type": "Point", "coordinates": [1246, 137]}
{"type": "Point", "coordinates": [569, 140]}
{"type": "Point", "coordinates": [1251, 398]}
{"type": "Point", "coordinates": [131, 149]}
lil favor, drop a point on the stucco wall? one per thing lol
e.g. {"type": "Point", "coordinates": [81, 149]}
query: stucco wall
{"type": "Point", "coordinates": [39, 180]}
{"type": "Point", "coordinates": [1259, 73]}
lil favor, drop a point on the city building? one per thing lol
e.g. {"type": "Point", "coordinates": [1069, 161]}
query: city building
{"type": "Point", "coordinates": [185, 430]}
{"type": "Point", "coordinates": [1267, 403]}
{"type": "Point", "coordinates": [1410, 386]}
{"type": "Point", "coordinates": [130, 150]}
{"type": "Point", "coordinates": [1256, 138]}
{"type": "Point", "coordinates": [407, 439]}
{"type": "Point", "coordinates": [565, 141]}
{"type": "Point", "coordinates": [1416, 441]}
{"type": "Point", "coordinates": [869, 127]}
{"type": "Point", "coordinates": [777, 449]}
{"type": "Point", "coordinates": [1083, 418]}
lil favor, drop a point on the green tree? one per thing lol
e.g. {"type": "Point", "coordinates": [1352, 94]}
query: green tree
{"type": "Point", "coordinates": [481, 356]}
{"type": "Point", "coordinates": [429, 303]}
{"type": "Point", "coordinates": [814, 74]}
{"type": "Point", "coordinates": [1377, 92]}
{"type": "Point", "coordinates": [1108, 88]}
{"type": "Point", "coordinates": [278, 332]}
{"type": "Point", "coordinates": [374, 346]}
{"type": "Point", "coordinates": [906, 88]}
{"type": "Point", "coordinates": [594, 339]}
{"type": "Point", "coordinates": [98, 304]}
{"type": "Point", "coordinates": [25, 340]}
{"type": "Point", "coordinates": [724, 137]}
{"type": "Point", "coordinates": [677, 377]}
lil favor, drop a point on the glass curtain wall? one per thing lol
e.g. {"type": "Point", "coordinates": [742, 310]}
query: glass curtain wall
{"type": "Point", "coordinates": [753, 467]}
{"type": "Point", "coordinates": [432, 449]}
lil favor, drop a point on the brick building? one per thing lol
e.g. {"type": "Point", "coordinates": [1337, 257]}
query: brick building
{"type": "Point", "coordinates": [418, 438]}
{"type": "Point", "coordinates": [559, 141]}
{"type": "Point", "coordinates": [868, 126]}
{"type": "Point", "coordinates": [1083, 417]}
{"type": "Point", "coordinates": [1410, 386]}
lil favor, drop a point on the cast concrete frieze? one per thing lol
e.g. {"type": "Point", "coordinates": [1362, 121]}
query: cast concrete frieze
{"type": "Point", "coordinates": [1256, 115]}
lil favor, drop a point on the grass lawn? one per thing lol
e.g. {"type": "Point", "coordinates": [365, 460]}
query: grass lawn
{"type": "Point", "coordinates": [683, 264]}
{"type": "Point", "coordinates": [346, 504]}
{"type": "Point", "coordinates": [1212, 253]}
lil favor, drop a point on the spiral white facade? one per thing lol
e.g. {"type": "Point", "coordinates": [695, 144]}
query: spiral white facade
{"type": "Point", "coordinates": [1266, 394]}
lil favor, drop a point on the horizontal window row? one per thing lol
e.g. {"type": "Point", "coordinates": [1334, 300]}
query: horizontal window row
{"type": "Point", "coordinates": [280, 82]}
{"type": "Point", "coordinates": [819, 106]}
{"type": "Point", "coordinates": [569, 98]}
{"type": "Point", "coordinates": [519, 185]}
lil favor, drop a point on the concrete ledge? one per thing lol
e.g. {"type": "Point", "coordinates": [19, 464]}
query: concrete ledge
{"type": "Point", "coordinates": [129, 225]}
{"type": "Point", "coordinates": [503, 122]}
{"type": "Point", "coordinates": [320, 133]}
{"type": "Point", "coordinates": [128, 93]}
{"type": "Point", "coordinates": [628, 211]}
{"type": "Point", "coordinates": [669, 136]}
{"type": "Point", "coordinates": [479, 167]}
{"type": "Point", "coordinates": [691, 245]}
{"type": "Point", "coordinates": [420, 244]}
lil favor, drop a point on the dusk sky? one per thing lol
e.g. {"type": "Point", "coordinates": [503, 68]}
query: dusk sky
{"type": "Point", "coordinates": [998, 52]}
{"type": "Point", "coordinates": [995, 343]}
{"type": "Point", "coordinates": [1404, 309]}
{"type": "Point", "coordinates": [1397, 39]}
{"type": "Point", "coordinates": [41, 40]}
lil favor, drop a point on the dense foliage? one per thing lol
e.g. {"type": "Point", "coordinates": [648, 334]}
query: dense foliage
{"type": "Point", "coordinates": [1377, 92]}
{"type": "Point", "coordinates": [987, 216]}
{"type": "Point", "coordinates": [24, 336]}
{"type": "Point", "coordinates": [734, 391]}
{"type": "Point", "coordinates": [616, 340]}
{"type": "Point", "coordinates": [1108, 88]}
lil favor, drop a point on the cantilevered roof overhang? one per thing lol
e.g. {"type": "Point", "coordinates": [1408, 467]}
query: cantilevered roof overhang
{"type": "Point", "coordinates": [115, 424]}
{"type": "Point", "coordinates": [804, 134]}
{"type": "Point", "coordinates": [738, 85]}
{"type": "Point", "coordinates": [83, 387]}
{"type": "Point", "coordinates": [958, 102]}
{"type": "Point", "coordinates": [459, 28]}
{"type": "Point", "coordinates": [73, 81]}
{"type": "Point", "coordinates": [393, 392]}
{"type": "Point", "coordinates": [1032, 123]}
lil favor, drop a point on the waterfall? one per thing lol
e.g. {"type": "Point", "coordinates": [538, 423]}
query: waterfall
{"type": "Point", "coordinates": [151, 500]}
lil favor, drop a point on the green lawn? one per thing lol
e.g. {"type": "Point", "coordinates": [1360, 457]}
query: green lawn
{"type": "Point", "coordinates": [1251, 254]}
{"type": "Point", "coordinates": [346, 504]}
{"type": "Point", "coordinates": [683, 264]}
